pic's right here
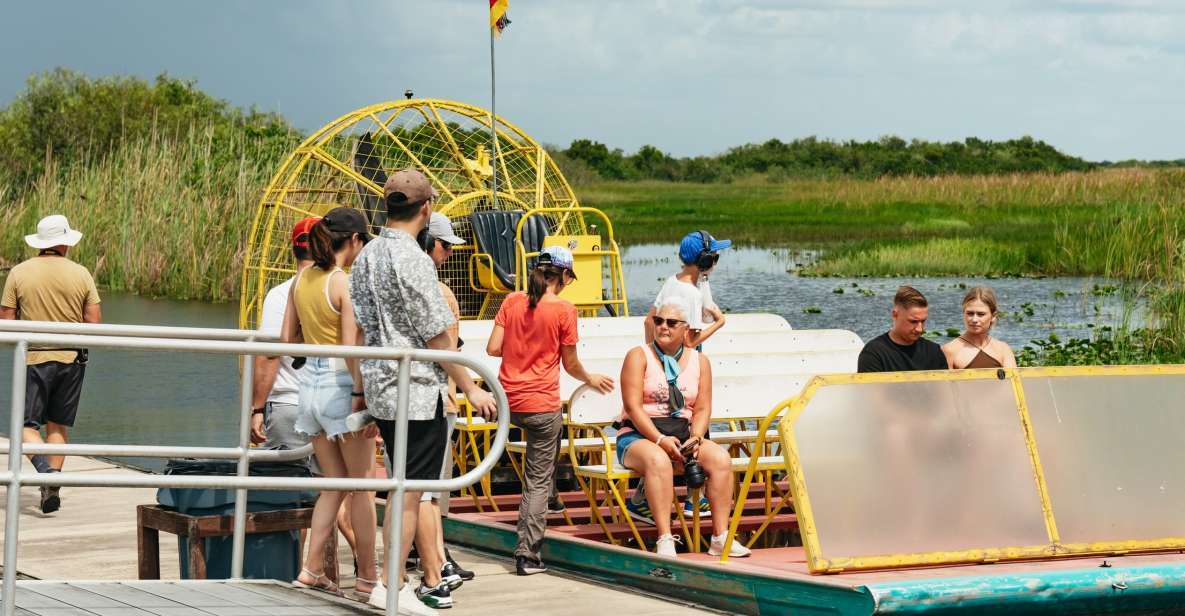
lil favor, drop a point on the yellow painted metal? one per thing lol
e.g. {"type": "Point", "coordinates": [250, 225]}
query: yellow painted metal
{"type": "Point", "coordinates": [446, 140]}
{"type": "Point", "coordinates": [586, 254]}
{"type": "Point", "coordinates": [572, 217]}
{"type": "Point", "coordinates": [818, 561]}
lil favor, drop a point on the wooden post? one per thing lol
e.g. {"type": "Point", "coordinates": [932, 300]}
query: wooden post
{"type": "Point", "coordinates": [147, 548]}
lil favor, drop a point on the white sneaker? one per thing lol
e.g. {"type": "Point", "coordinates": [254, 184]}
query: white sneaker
{"type": "Point", "coordinates": [665, 546]}
{"type": "Point", "coordinates": [410, 604]}
{"type": "Point", "coordinates": [737, 550]}
{"type": "Point", "coordinates": [357, 421]}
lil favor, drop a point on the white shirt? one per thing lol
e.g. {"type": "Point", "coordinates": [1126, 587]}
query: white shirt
{"type": "Point", "coordinates": [286, 389]}
{"type": "Point", "coordinates": [697, 296]}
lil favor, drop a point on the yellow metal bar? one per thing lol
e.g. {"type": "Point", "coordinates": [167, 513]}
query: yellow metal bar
{"type": "Point", "coordinates": [414, 159]}
{"type": "Point", "coordinates": [1026, 422]}
{"type": "Point", "coordinates": [448, 136]}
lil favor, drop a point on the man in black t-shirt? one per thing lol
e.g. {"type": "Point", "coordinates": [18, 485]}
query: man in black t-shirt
{"type": "Point", "coordinates": [902, 348]}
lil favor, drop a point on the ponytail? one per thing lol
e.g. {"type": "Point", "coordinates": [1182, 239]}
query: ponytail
{"type": "Point", "coordinates": [537, 283]}
{"type": "Point", "coordinates": [324, 244]}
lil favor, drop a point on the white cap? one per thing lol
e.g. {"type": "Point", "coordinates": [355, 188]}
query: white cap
{"type": "Point", "coordinates": [441, 228]}
{"type": "Point", "coordinates": [53, 231]}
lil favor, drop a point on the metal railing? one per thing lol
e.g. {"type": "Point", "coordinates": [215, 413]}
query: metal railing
{"type": "Point", "coordinates": [21, 334]}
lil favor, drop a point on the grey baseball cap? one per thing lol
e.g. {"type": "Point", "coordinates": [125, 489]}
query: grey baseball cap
{"type": "Point", "coordinates": [441, 228]}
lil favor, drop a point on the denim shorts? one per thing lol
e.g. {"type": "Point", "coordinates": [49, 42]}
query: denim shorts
{"type": "Point", "coordinates": [325, 386]}
{"type": "Point", "coordinates": [624, 441]}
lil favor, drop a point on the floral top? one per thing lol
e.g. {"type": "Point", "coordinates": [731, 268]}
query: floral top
{"type": "Point", "coordinates": [398, 303]}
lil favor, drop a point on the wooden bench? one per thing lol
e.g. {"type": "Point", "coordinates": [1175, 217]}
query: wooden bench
{"type": "Point", "coordinates": [151, 519]}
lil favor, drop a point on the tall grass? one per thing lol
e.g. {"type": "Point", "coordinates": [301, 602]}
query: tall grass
{"type": "Point", "coordinates": [160, 217]}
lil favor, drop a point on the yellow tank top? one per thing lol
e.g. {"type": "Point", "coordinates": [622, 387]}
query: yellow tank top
{"type": "Point", "coordinates": [320, 322]}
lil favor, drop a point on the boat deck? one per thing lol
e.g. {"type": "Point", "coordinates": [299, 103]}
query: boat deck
{"type": "Point", "coordinates": [191, 598]}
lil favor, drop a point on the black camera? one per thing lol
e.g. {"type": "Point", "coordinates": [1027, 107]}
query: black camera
{"type": "Point", "coordinates": [693, 473]}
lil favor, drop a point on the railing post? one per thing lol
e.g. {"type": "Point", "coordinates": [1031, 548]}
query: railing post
{"type": "Point", "coordinates": [395, 502]}
{"type": "Point", "coordinates": [12, 513]}
{"type": "Point", "coordinates": [246, 398]}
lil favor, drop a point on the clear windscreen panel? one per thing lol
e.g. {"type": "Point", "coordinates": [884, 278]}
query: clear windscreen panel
{"type": "Point", "coordinates": [915, 467]}
{"type": "Point", "coordinates": [1113, 451]}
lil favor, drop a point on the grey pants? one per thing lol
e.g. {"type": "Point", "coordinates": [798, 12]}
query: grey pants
{"type": "Point", "coordinates": [542, 432]}
{"type": "Point", "coordinates": [279, 425]}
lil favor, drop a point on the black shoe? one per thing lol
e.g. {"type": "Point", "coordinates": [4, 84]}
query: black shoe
{"type": "Point", "coordinates": [528, 566]}
{"type": "Point", "coordinates": [50, 500]}
{"type": "Point", "coordinates": [555, 504]}
{"type": "Point", "coordinates": [436, 597]}
{"type": "Point", "coordinates": [413, 560]}
{"type": "Point", "coordinates": [463, 572]}
{"type": "Point", "coordinates": [451, 576]}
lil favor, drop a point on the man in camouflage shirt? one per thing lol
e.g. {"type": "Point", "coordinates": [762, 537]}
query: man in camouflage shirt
{"type": "Point", "coordinates": [397, 303]}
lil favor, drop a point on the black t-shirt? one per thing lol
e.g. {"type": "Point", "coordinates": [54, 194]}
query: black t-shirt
{"type": "Point", "coordinates": [881, 354]}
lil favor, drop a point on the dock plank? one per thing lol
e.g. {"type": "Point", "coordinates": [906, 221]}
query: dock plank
{"type": "Point", "coordinates": [119, 611]}
{"type": "Point", "coordinates": [126, 594]}
{"type": "Point", "coordinates": [180, 593]}
{"type": "Point", "coordinates": [76, 597]}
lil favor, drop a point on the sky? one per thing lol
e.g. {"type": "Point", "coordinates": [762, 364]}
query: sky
{"type": "Point", "coordinates": [1099, 79]}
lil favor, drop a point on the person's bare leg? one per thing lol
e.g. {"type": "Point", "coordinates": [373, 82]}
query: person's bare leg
{"type": "Point", "coordinates": [325, 511]}
{"type": "Point", "coordinates": [55, 434]}
{"type": "Point", "coordinates": [31, 436]}
{"type": "Point", "coordinates": [429, 534]}
{"type": "Point", "coordinates": [358, 454]}
{"type": "Point", "coordinates": [718, 466]}
{"type": "Point", "coordinates": [654, 465]}
{"type": "Point", "coordinates": [411, 518]}
{"type": "Point", "coordinates": [345, 525]}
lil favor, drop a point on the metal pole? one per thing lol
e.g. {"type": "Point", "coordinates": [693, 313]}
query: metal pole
{"type": "Point", "coordinates": [399, 468]}
{"type": "Point", "coordinates": [239, 542]}
{"type": "Point", "coordinates": [493, 128]}
{"type": "Point", "coordinates": [12, 513]}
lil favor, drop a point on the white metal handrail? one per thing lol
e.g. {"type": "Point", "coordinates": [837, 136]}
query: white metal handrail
{"type": "Point", "coordinates": [232, 345]}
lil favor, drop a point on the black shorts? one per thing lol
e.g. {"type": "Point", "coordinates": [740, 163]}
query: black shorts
{"type": "Point", "coordinates": [425, 443]}
{"type": "Point", "coordinates": [52, 390]}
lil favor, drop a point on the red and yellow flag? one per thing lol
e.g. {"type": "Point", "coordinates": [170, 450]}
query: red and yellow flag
{"type": "Point", "coordinates": [498, 19]}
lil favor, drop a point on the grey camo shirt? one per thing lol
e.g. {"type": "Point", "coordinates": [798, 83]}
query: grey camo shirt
{"type": "Point", "coordinates": [398, 303]}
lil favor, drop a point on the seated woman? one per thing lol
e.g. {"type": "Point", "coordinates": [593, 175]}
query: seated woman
{"type": "Point", "coordinates": [666, 394]}
{"type": "Point", "coordinates": [976, 348]}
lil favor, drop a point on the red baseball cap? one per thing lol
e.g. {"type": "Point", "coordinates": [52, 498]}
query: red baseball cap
{"type": "Point", "coordinates": [300, 232]}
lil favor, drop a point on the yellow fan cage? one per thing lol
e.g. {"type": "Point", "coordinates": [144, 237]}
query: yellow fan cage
{"type": "Point", "coordinates": [345, 162]}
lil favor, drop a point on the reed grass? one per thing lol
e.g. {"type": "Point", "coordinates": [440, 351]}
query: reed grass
{"type": "Point", "coordinates": [160, 217]}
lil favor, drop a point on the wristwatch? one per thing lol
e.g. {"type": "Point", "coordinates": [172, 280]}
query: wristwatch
{"type": "Point", "coordinates": [258, 411]}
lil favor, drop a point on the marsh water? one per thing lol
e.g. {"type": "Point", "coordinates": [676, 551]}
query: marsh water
{"type": "Point", "coordinates": [153, 398]}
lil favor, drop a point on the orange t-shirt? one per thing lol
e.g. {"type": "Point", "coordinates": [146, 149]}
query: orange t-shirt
{"type": "Point", "coordinates": [531, 342]}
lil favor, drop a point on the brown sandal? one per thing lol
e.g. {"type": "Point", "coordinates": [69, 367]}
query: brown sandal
{"type": "Point", "coordinates": [321, 583]}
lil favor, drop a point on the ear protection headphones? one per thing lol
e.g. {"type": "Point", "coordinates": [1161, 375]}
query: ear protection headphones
{"type": "Point", "coordinates": [426, 240]}
{"type": "Point", "coordinates": [706, 259]}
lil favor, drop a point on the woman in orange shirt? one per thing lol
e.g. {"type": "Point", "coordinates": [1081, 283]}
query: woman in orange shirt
{"type": "Point", "coordinates": [534, 333]}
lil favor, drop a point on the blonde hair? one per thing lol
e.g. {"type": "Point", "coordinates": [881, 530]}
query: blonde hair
{"type": "Point", "coordinates": [983, 294]}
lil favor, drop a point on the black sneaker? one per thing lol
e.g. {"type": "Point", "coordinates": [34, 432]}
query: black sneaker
{"type": "Point", "coordinates": [555, 504]}
{"type": "Point", "coordinates": [463, 572]}
{"type": "Point", "coordinates": [436, 597]}
{"type": "Point", "coordinates": [451, 576]}
{"type": "Point", "coordinates": [50, 500]}
{"type": "Point", "coordinates": [528, 566]}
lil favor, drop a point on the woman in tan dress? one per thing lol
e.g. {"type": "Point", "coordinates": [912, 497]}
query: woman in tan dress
{"type": "Point", "coordinates": [976, 348]}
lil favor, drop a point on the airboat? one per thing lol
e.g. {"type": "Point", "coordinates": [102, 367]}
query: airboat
{"type": "Point", "coordinates": [979, 491]}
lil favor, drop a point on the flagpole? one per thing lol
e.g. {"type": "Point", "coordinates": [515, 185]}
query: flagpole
{"type": "Point", "coordinates": [493, 128]}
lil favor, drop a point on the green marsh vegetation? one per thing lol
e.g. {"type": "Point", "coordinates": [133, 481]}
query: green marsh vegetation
{"type": "Point", "coordinates": [164, 179]}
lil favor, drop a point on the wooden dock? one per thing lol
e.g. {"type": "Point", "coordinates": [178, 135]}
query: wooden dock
{"type": "Point", "coordinates": [88, 551]}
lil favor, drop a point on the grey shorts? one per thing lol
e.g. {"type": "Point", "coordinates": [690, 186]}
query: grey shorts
{"type": "Point", "coordinates": [279, 426]}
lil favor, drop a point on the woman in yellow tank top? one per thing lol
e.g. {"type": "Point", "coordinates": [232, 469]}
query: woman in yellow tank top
{"type": "Point", "coordinates": [319, 312]}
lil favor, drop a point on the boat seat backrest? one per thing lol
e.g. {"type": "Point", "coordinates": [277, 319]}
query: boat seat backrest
{"type": "Point", "coordinates": [601, 327]}
{"type": "Point", "coordinates": [496, 231]}
{"type": "Point", "coordinates": [733, 397]}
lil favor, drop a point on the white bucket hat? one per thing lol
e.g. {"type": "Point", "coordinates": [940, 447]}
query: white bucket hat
{"type": "Point", "coordinates": [53, 231]}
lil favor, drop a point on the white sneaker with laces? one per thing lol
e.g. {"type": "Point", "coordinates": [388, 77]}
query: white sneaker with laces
{"type": "Point", "coordinates": [409, 603]}
{"type": "Point", "coordinates": [736, 550]}
{"type": "Point", "coordinates": [665, 546]}
{"type": "Point", "coordinates": [357, 421]}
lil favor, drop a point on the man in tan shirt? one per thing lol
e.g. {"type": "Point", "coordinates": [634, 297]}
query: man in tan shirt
{"type": "Point", "coordinates": [51, 287]}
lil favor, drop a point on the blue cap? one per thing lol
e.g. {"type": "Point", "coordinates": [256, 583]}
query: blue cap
{"type": "Point", "coordinates": [693, 244]}
{"type": "Point", "coordinates": [557, 256]}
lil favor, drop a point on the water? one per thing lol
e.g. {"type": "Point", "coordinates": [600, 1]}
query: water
{"type": "Point", "coordinates": [155, 398]}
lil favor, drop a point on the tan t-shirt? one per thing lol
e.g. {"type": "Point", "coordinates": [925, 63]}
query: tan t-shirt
{"type": "Point", "coordinates": [454, 332]}
{"type": "Point", "coordinates": [49, 288]}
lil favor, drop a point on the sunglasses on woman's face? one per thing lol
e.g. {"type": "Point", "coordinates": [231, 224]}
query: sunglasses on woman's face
{"type": "Point", "coordinates": [671, 323]}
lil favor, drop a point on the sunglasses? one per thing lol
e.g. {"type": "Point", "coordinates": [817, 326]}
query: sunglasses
{"type": "Point", "coordinates": [672, 323]}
